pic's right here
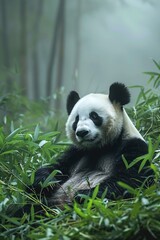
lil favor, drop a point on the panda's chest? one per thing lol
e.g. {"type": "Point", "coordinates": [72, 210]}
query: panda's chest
{"type": "Point", "coordinates": [104, 163]}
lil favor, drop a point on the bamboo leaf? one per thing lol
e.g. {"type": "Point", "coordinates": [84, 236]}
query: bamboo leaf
{"type": "Point", "coordinates": [50, 178]}
{"type": "Point", "coordinates": [125, 162]}
{"type": "Point", "coordinates": [32, 213]}
{"type": "Point", "coordinates": [79, 211]}
{"type": "Point", "coordinates": [36, 133]}
{"type": "Point", "coordinates": [95, 192]}
{"type": "Point", "coordinates": [127, 187]}
{"type": "Point", "coordinates": [143, 163]}
{"type": "Point", "coordinates": [157, 65]}
{"type": "Point", "coordinates": [152, 73]}
{"type": "Point", "coordinates": [12, 134]}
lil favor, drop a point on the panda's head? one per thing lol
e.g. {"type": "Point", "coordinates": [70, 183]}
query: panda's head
{"type": "Point", "coordinates": [96, 119]}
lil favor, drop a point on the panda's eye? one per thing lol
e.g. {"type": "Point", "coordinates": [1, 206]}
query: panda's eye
{"type": "Point", "coordinates": [93, 115]}
{"type": "Point", "coordinates": [96, 118]}
{"type": "Point", "coordinates": [74, 126]}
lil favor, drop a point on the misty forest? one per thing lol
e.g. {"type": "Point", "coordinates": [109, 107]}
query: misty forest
{"type": "Point", "coordinates": [47, 49]}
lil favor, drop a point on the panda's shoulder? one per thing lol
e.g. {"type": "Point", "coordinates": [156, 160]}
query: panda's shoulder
{"type": "Point", "coordinates": [135, 146]}
{"type": "Point", "coordinates": [135, 142]}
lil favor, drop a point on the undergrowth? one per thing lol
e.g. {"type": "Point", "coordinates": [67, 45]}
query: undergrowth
{"type": "Point", "coordinates": [25, 146]}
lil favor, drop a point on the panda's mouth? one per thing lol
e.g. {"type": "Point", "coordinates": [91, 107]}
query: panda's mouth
{"type": "Point", "coordinates": [89, 140]}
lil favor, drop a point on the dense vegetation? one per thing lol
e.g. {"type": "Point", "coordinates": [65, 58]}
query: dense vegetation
{"type": "Point", "coordinates": [27, 142]}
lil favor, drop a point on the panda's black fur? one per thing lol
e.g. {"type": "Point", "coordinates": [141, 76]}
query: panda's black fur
{"type": "Point", "coordinates": [91, 162]}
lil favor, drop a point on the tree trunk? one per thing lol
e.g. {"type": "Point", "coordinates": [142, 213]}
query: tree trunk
{"type": "Point", "coordinates": [53, 49]}
{"type": "Point", "coordinates": [5, 44]}
{"type": "Point", "coordinates": [61, 38]}
{"type": "Point", "coordinates": [23, 45]}
{"type": "Point", "coordinates": [35, 57]}
{"type": "Point", "coordinates": [77, 50]}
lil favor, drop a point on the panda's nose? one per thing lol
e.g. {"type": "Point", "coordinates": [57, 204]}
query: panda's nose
{"type": "Point", "coordinates": [82, 133]}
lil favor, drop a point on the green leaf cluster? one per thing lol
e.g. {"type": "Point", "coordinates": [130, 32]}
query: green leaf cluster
{"type": "Point", "coordinates": [26, 145]}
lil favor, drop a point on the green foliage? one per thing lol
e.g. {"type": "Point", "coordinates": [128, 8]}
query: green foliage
{"type": "Point", "coordinates": [17, 111]}
{"type": "Point", "coordinates": [29, 139]}
{"type": "Point", "coordinates": [145, 114]}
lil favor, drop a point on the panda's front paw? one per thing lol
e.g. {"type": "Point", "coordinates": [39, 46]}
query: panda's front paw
{"type": "Point", "coordinates": [59, 199]}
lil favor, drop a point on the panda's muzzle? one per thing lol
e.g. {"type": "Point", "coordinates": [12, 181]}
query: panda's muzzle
{"type": "Point", "coordinates": [86, 133]}
{"type": "Point", "coordinates": [82, 133]}
{"type": "Point", "coordinates": [83, 137]}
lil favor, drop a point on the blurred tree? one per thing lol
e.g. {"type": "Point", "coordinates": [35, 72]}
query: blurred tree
{"type": "Point", "coordinates": [61, 42]}
{"type": "Point", "coordinates": [5, 43]}
{"type": "Point", "coordinates": [23, 45]}
{"type": "Point", "coordinates": [58, 41]}
{"type": "Point", "coordinates": [35, 52]}
{"type": "Point", "coordinates": [77, 48]}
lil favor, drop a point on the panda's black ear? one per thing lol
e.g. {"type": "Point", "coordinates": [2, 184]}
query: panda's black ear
{"type": "Point", "coordinates": [119, 93]}
{"type": "Point", "coordinates": [72, 99]}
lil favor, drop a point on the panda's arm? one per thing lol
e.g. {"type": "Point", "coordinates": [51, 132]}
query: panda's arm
{"type": "Point", "coordinates": [63, 164]}
{"type": "Point", "coordinates": [130, 150]}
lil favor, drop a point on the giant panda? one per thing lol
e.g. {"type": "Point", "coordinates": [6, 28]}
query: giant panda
{"type": "Point", "coordinates": [102, 136]}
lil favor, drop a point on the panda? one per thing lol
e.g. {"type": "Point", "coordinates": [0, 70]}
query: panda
{"type": "Point", "coordinates": [103, 136]}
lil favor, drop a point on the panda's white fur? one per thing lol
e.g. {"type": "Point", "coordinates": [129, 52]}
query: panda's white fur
{"type": "Point", "coordinates": [102, 135]}
{"type": "Point", "coordinates": [130, 131]}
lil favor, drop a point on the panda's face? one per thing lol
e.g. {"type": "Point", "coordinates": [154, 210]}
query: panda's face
{"type": "Point", "coordinates": [94, 121]}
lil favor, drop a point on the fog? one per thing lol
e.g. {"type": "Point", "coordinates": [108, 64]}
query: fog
{"type": "Point", "coordinates": [118, 40]}
{"type": "Point", "coordinates": [92, 44]}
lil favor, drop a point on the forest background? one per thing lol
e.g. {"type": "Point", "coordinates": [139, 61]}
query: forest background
{"type": "Point", "coordinates": [47, 48]}
{"type": "Point", "coordinates": [50, 47]}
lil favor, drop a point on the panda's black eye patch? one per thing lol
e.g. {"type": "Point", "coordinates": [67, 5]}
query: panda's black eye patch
{"type": "Point", "coordinates": [96, 118]}
{"type": "Point", "coordinates": [74, 126]}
